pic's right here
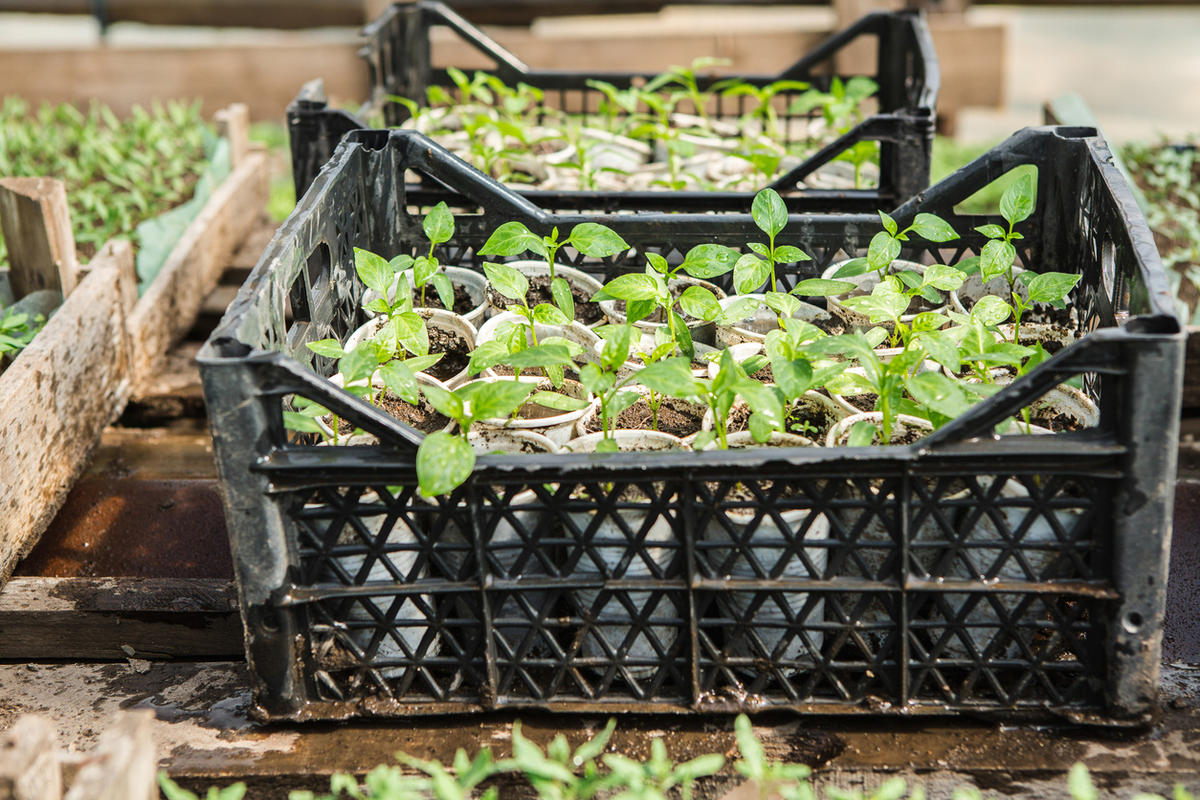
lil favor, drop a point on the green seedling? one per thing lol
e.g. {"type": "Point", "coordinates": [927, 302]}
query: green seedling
{"type": "Point", "coordinates": [885, 246]}
{"type": "Point", "coordinates": [619, 107]}
{"type": "Point", "coordinates": [998, 257]}
{"type": "Point", "coordinates": [371, 362]}
{"type": "Point", "coordinates": [886, 379]}
{"type": "Point", "coordinates": [649, 291]}
{"type": "Point", "coordinates": [556, 773]}
{"type": "Point", "coordinates": [673, 377]}
{"type": "Point", "coordinates": [445, 460]}
{"type": "Point", "coordinates": [518, 105]}
{"type": "Point", "coordinates": [660, 777]}
{"type": "Point", "coordinates": [471, 90]}
{"type": "Point", "coordinates": [513, 238]}
{"type": "Point", "coordinates": [512, 284]}
{"type": "Point", "coordinates": [173, 791]}
{"type": "Point", "coordinates": [769, 776]}
{"type": "Point", "coordinates": [17, 331]}
{"type": "Point", "coordinates": [423, 271]}
{"type": "Point", "coordinates": [763, 98]}
{"type": "Point", "coordinates": [117, 172]}
{"type": "Point", "coordinates": [511, 347]}
{"type": "Point", "coordinates": [763, 158]}
{"type": "Point", "coordinates": [601, 380]}
{"type": "Point", "coordinates": [771, 216]}
{"type": "Point", "coordinates": [841, 106]}
{"type": "Point", "coordinates": [687, 84]}
{"type": "Point", "coordinates": [890, 299]}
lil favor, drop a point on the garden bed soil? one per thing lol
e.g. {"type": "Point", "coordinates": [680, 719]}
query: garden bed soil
{"type": "Point", "coordinates": [463, 303]}
{"type": "Point", "coordinates": [456, 355]}
{"type": "Point", "coordinates": [586, 312]}
{"type": "Point", "coordinates": [676, 417]}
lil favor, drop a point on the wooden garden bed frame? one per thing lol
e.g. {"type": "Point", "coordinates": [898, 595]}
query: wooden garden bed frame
{"type": "Point", "coordinates": [104, 342]}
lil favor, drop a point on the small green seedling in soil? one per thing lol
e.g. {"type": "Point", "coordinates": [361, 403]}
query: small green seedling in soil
{"type": "Point", "coordinates": [763, 159]}
{"type": "Point", "coordinates": [771, 216]}
{"type": "Point", "coordinates": [512, 284]}
{"type": "Point", "coordinates": [890, 299]}
{"type": "Point", "coordinates": [511, 348]}
{"type": "Point", "coordinates": [688, 84]}
{"type": "Point", "coordinates": [459, 782]}
{"type": "Point", "coordinates": [648, 292]}
{"type": "Point", "coordinates": [558, 773]}
{"type": "Point", "coordinates": [601, 380]}
{"type": "Point", "coordinates": [659, 777]}
{"type": "Point", "coordinates": [619, 107]}
{"type": "Point", "coordinates": [359, 369]}
{"type": "Point", "coordinates": [998, 257]}
{"type": "Point", "coordinates": [173, 791]}
{"type": "Point", "coordinates": [885, 246]}
{"type": "Point", "coordinates": [673, 377]}
{"type": "Point", "coordinates": [887, 380]}
{"type": "Point", "coordinates": [445, 460]}
{"type": "Point", "coordinates": [769, 776]}
{"type": "Point", "coordinates": [841, 106]}
{"type": "Point", "coordinates": [589, 238]}
{"type": "Point", "coordinates": [764, 99]}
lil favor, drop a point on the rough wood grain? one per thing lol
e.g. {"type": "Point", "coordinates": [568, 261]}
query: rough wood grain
{"type": "Point", "coordinates": [123, 764]}
{"type": "Point", "coordinates": [264, 74]}
{"type": "Point", "coordinates": [234, 124]}
{"type": "Point", "coordinates": [37, 230]}
{"type": "Point", "coordinates": [112, 619]}
{"type": "Point", "coordinates": [29, 767]}
{"type": "Point", "coordinates": [171, 303]}
{"type": "Point", "coordinates": [56, 398]}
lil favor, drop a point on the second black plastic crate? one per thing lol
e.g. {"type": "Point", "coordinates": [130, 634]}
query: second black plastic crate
{"type": "Point", "coordinates": [1011, 576]}
{"type": "Point", "coordinates": [398, 51]}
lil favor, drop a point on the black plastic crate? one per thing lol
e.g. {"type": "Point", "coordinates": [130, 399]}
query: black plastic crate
{"type": "Point", "coordinates": [496, 597]}
{"type": "Point", "coordinates": [398, 52]}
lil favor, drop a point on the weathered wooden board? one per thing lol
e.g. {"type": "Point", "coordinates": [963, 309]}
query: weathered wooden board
{"type": "Point", "coordinates": [56, 398]}
{"type": "Point", "coordinates": [37, 228]}
{"type": "Point", "coordinates": [29, 767]}
{"type": "Point", "coordinates": [172, 302]}
{"type": "Point", "coordinates": [113, 619]}
{"type": "Point", "coordinates": [263, 74]}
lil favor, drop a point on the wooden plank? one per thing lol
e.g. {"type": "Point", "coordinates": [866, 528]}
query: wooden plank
{"type": "Point", "coordinates": [56, 398]}
{"type": "Point", "coordinates": [1191, 372]}
{"type": "Point", "coordinates": [29, 768]}
{"type": "Point", "coordinates": [234, 124]}
{"type": "Point", "coordinates": [37, 229]}
{"type": "Point", "coordinates": [218, 13]}
{"type": "Point", "coordinates": [113, 619]}
{"type": "Point", "coordinates": [973, 61]}
{"type": "Point", "coordinates": [123, 764]}
{"type": "Point", "coordinates": [264, 75]}
{"type": "Point", "coordinates": [172, 302]}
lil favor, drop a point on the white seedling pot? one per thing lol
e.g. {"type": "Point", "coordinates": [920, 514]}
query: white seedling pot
{"type": "Point", "coordinates": [401, 550]}
{"type": "Point", "coordinates": [610, 544]}
{"type": "Point", "coordinates": [611, 151]}
{"type": "Point", "coordinates": [556, 426]}
{"type": "Point", "coordinates": [864, 284]}
{"type": "Point", "coordinates": [702, 332]}
{"type": "Point", "coordinates": [575, 278]}
{"type": "Point", "coordinates": [770, 533]}
{"type": "Point", "coordinates": [756, 327]}
{"type": "Point", "coordinates": [983, 623]}
{"type": "Point", "coordinates": [435, 319]}
{"type": "Point", "coordinates": [818, 403]}
{"type": "Point", "coordinates": [1063, 399]}
{"type": "Point", "coordinates": [840, 432]}
{"type": "Point", "coordinates": [474, 283]}
{"type": "Point", "coordinates": [506, 546]}
{"type": "Point", "coordinates": [592, 414]}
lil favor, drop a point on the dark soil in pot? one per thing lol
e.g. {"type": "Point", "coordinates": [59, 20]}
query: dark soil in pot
{"type": "Point", "coordinates": [586, 312]}
{"type": "Point", "coordinates": [463, 303]}
{"type": "Point", "coordinates": [676, 417]}
{"type": "Point", "coordinates": [422, 417]}
{"type": "Point", "coordinates": [456, 354]}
